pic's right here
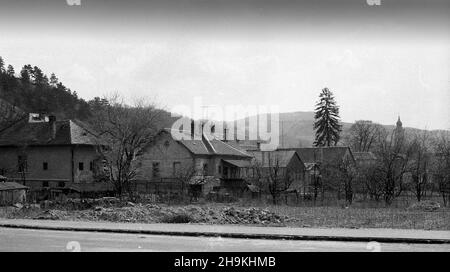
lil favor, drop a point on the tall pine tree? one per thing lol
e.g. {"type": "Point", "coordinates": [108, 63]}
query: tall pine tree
{"type": "Point", "coordinates": [327, 124]}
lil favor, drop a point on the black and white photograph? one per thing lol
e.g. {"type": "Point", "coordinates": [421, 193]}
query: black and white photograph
{"type": "Point", "coordinates": [205, 127]}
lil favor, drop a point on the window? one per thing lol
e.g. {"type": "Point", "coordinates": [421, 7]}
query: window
{"type": "Point", "coordinates": [45, 166]}
{"type": "Point", "coordinates": [61, 184]}
{"type": "Point", "coordinates": [22, 164]}
{"type": "Point", "coordinates": [45, 184]}
{"type": "Point", "coordinates": [220, 169]}
{"type": "Point", "coordinates": [176, 168]}
{"type": "Point", "coordinates": [91, 166]}
{"type": "Point", "coordinates": [80, 166]}
{"type": "Point", "coordinates": [155, 170]}
{"type": "Point", "coordinates": [205, 169]}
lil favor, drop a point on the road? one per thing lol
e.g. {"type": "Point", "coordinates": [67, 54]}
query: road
{"type": "Point", "coordinates": [54, 241]}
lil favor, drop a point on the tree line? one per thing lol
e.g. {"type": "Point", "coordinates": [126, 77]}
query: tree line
{"type": "Point", "coordinates": [417, 161]}
{"type": "Point", "coordinates": [31, 90]}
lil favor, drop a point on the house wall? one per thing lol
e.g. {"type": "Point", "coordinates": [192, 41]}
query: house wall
{"type": "Point", "coordinates": [86, 155]}
{"type": "Point", "coordinates": [59, 164]}
{"type": "Point", "coordinates": [164, 151]}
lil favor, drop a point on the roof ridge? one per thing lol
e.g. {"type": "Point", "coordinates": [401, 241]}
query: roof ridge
{"type": "Point", "coordinates": [209, 144]}
{"type": "Point", "coordinates": [241, 151]}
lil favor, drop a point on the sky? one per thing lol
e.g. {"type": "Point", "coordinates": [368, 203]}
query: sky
{"type": "Point", "coordinates": [380, 61]}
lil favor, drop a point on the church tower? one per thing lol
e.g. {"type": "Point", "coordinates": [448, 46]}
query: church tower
{"type": "Point", "coordinates": [399, 132]}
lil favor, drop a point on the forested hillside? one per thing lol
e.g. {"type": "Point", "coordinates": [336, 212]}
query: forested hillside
{"type": "Point", "coordinates": [32, 90]}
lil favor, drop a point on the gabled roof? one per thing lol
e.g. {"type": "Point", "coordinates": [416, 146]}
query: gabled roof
{"type": "Point", "coordinates": [68, 132]}
{"type": "Point", "coordinates": [196, 147]}
{"type": "Point", "coordinates": [8, 186]}
{"type": "Point", "coordinates": [321, 154]}
{"type": "Point", "coordinates": [209, 146]}
{"type": "Point", "coordinates": [282, 158]}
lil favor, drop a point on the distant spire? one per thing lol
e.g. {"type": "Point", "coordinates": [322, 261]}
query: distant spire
{"type": "Point", "coordinates": [399, 122]}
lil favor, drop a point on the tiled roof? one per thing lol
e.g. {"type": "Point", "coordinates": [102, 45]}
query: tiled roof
{"type": "Point", "coordinates": [8, 186]}
{"type": "Point", "coordinates": [195, 146]}
{"type": "Point", "coordinates": [68, 132]}
{"type": "Point", "coordinates": [212, 146]}
{"type": "Point", "coordinates": [321, 154]}
{"type": "Point", "coordinates": [223, 148]}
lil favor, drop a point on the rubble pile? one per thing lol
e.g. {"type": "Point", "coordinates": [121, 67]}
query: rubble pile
{"type": "Point", "coordinates": [152, 213]}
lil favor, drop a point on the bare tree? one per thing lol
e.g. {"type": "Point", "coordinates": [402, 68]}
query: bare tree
{"type": "Point", "coordinates": [273, 177]}
{"type": "Point", "coordinates": [339, 177]}
{"type": "Point", "coordinates": [362, 135]}
{"type": "Point", "coordinates": [370, 177]}
{"type": "Point", "coordinates": [394, 154]}
{"type": "Point", "coordinates": [420, 162]}
{"type": "Point", "coordinates": [124, 133]}
{"type": "Point", "coordinates": [280, 177]}
{"type": "Point", "coordinates": [441, 165]}
{"type": "Point", "coordinates": [184, 175]}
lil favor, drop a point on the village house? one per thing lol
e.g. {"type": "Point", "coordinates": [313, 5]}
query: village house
{"type": "Point", "coordinates": [316, 158]}
{"type": "Point", "coordinates": [284, 165]}
{"type": "Point", "coordinates": [42, 152]}
{"type": "Point", "coordinates": [200, 164]}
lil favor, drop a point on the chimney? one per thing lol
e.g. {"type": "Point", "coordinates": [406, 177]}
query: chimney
{"type": "Point", "coordinates": [192, 129]}
{"type": "Point", "coordinates": [225, 134]}
{"type": "Point", "coordinates": [52, 124]}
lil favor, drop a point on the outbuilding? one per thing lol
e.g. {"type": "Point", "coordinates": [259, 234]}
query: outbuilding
{"type": "Point", "coordinates": [12, 192]}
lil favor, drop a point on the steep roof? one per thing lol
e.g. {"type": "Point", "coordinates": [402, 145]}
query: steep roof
{"type": "Point", "coordinates": [209, 146]}
{"type": "Point", "coordinates": [321, 154]}
{"type": "Point", "coordinates": [270, 158]}
{"type": "Point", "coordinates": [68, 132]}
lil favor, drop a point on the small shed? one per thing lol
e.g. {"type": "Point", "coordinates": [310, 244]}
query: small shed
{"type": "Point", "coordinates": [12, 192]}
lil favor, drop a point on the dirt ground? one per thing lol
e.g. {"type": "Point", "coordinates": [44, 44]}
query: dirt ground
{"type": "Point", "coordinates": [110, 210]}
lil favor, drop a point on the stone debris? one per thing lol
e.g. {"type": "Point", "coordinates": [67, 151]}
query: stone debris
{"type": "Point", "coordinates": [154, 213]}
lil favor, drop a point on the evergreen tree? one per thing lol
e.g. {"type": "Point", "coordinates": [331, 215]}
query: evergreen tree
{"type": "Point", "coordinates": [25, 75]}
{"type": "Point", "coordinates": [326, 123]}
{"type": "Point", "coordinates": [2, 65]}
{"type": "Point", "coordinates": [10, 72]}
{"type": "Point", "coordinates": [38, 76]}
{"type": "Point", "coordinates": [53, 80]}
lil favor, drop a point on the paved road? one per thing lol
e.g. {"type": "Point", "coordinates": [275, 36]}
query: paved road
{"type": "Point", "coordinates": [50, 240]}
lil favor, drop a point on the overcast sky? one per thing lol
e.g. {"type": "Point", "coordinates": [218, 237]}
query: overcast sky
{"type": "Point", "coordinates": [380, 61]}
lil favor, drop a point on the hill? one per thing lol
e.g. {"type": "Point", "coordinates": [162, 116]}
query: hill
{"type": "Point", "coordinates": [33, 91]}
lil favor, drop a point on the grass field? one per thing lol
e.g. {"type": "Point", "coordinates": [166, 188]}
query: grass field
{"type": "Point", "coordinates": [337, 217]}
